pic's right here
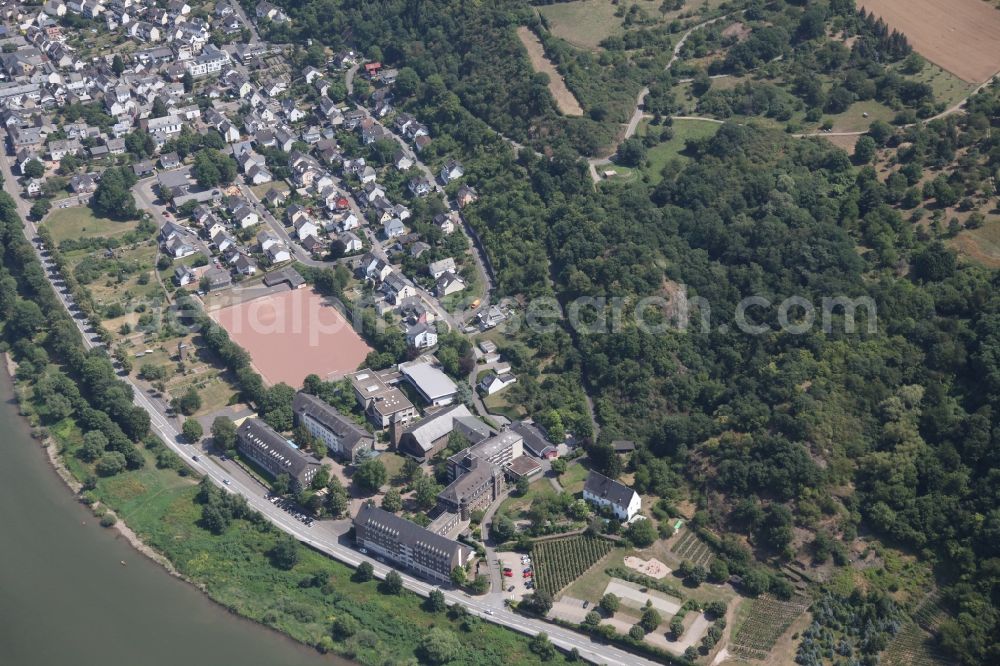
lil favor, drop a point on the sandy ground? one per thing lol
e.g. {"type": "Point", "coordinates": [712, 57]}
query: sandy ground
{"type": "Point", "coordinates": [565, 100]}
{"type": "Point", "coordinates": [651, 567]}
{"type": "Point", "coordinates": [292, 334]}
{"type": "Point", "coordinates": [961, 36]}
{"type": "Point", "coordinates": [624, 590]}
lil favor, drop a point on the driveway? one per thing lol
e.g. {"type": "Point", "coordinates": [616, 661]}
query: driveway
{"type": "Point", "coordinates": [624, 590]}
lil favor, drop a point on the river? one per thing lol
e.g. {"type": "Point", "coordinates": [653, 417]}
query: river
{"type": "Point", "coordinates": [65, 598]}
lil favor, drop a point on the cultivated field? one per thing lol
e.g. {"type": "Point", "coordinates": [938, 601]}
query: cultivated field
{"type": "Point", "coordinates": [565, 100]}
{"type": "Point", "coordinates": [560, 561]}
{"type": "Point", "coordinates": [291, 334]}
{"type": "Point", "coordinates": [962, 36]}
{"type": "Point", "coordinates": [767, 621]}
{"type": "Point", "coordinates": [689, 547]}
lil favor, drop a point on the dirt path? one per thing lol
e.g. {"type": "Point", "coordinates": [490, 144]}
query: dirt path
{"type": "Point", "coordinates": [565, 99]}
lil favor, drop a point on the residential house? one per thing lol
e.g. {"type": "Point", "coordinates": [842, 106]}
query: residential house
{"type": "Point", "coordinates": [439, 268]}
{"type": "Point", "coordinates": [421, 336]}
{"type": "Point", "coordinates": [494, 382]}
{"type": "Point", "coordinates": [394, 228]}
{"type": "Point", "coordinates": [419, 187]}
{"type": "Point", "coordinates": [624, 502]}
{"type": "Point", "coordinates": [448, 284]}
{"type": "Point", "coordinates": [452, 170]}
{"type": "Point", "coordinates": [447, 222]}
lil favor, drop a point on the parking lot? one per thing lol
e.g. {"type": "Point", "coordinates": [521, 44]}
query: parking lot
{"type": "Point", "coordinates": [521, 585]}
{"type": "Point", "coordinates": [292, 509]}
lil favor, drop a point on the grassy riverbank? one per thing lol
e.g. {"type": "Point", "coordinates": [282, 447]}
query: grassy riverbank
{"type": "Point", "coordinates": [233, 568]}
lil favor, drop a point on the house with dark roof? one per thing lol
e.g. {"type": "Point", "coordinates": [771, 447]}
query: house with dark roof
{"type": "Point", "coordinates": [263, 445]}
{"type": "Point", "coordinates": [408, 545]}
{"type": "Point", "coordinates": [624, 502]}
{"type": "Point", "coordinates": [342, 437]}
{"type": "Point", "coordinates": [534, 440]}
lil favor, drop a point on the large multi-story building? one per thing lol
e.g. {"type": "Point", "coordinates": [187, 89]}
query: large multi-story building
{"type": "Point", "coordinates": [263, 445]}
{"type": "Point", "coordinates": [410, 546]}
{"type": "Point", "coordinates": [478, 474]}
{"type": "Point", "coordinates": [384, 404]}
{"type": "Point", "coordinates": [425, 438]}
{"type": "Point", "coordinates": [342, 437]}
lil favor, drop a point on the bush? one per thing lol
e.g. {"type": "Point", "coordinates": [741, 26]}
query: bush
{"type": "Point", "coordinates": [109, 520]}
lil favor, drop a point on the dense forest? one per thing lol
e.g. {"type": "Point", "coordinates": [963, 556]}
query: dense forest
{"type": "Point", "coordinates": [774, 435]}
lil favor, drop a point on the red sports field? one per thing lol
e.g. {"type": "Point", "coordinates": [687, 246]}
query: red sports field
{"type": "Point", "coordinates": [291, 334]}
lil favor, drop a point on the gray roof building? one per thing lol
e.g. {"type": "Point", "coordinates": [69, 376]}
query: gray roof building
{"type": "Point", "coordinates": [259, 442]}
{"type": "Point", "coordinates": [341, 435]}
{"type": "Point", "coordinates": [408, 545]}
{"type": "Point", "coordinates": [429, 435]}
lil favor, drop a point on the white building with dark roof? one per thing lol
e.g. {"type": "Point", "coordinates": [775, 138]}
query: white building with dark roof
{"type": "Point", "coordinates": [605, 492]}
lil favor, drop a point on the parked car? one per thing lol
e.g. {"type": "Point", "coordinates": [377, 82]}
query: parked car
{"type": "Point", "coordinates": [509, 574]}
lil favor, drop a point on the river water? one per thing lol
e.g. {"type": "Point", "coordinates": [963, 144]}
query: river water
{"type": "Point", "coordinates": [65, 598]}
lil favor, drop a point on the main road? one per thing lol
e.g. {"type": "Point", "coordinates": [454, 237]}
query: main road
{"type": "Point", "coordinates": [324, 536]}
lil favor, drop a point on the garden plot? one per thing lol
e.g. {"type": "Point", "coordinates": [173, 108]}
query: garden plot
{"type": "Point", "coordinates": [689, 547]}
{"type": "Point", "coordinates": [767, 621]}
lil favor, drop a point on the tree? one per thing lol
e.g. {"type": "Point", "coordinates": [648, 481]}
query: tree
{"type": "Point", "coordinates": [159, 109]}
{"type": "Point", "coordinates": [33, 169]}
{"type": "Point", "coordinates": [592, 619]}
{"type": "Point", "coordinates": [718, 570]}
{"type": "Point", "coordinates": [609, 603]}
{"type": "Point", "coordinates": [676, 627]}
{"type": "Point", "coordinates": [407, 82]}
{"type": "Point", "coordinates": [192, 430]}
{"type": "Point", "coordinates": [637, 633]}
{"type": "Point", "coordinates": [480, 584]}
{"type": "Point", "coordinates": [425, 493]}
{"type": "Point", "coordinates": [558, 466]}
{"type": "Point", "coordinates": [439, 646]}
{"type": "Point", "coordinates": [68, 164]}
{"type": "Point", "coordinates": [40, 209]}
{"type": "Point", "coordinates": [365, 572]}
{"type": "Point", "coordinates": [521, 486]}
{"type": "Point", "coordinates": [435, 601]}
{"type": "Point", "coordinates": [281, 485]}
{"type": "Point", "coordinates": [650, 619]}
{"type": "Point", "coordinates": [370, 475]}
{"type": "Point", "coordinates": [336, 498]}
{"type": "Point", "coordinates": [285, 553]}
{"type": "Point", "coordinates": [224, 433]}
{"type": "Point", "coordinates": [393, 583]}
{"type": "Point", "coordinates": [502, 529]}
{"type": "Point", "coordinates": [641, 533]}
{"type": "Point", "coordinates": [189, 402]}
{"type": "Point", "coordinates": [113, 197]}
{"type": "Point", "coordinates": [864, 150]}
{"type": "Point", "coordinates": [631, 153]}
{"type": "Point", "coordinates": [188, 81]}
{"type": "Point", "coordinates": [392, 501]}
{"type": "Point", "coordinates": [110, 464]}
{"type": "Point", "coordinates": [458, 576]}
{"type": "Point", "coordinates": [94, 443]}
{"type": "Point", "coordinates": [345, 626]}
{"type": "Point", "coordinates": [117, 64]}
{"type": "Point", "coordinates": [539, 603]}
{"type": "Point", "coordinates": [542, 646]}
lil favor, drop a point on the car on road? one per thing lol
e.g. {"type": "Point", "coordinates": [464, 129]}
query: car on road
{"type": "Point", "coordinates": [223, 457]}
{"type": "Point", "coordinates": [195, 458]}
{"type": "Point", "coordinates": [586, 603]}
{"type": "Point", "coordinates": [510, 589]}
{"type": "Point", "coordinates": [363, 551]}
{"type": "Point", "coordinates": [226, 481]}
{"type": "Point", "coordinates": [489, 611]}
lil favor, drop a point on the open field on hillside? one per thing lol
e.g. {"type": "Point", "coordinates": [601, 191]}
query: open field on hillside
{"type": "Point", "coordinates": [586, 23]}
{"type": "Point", "coordinates": [80, 222]}
{"type": "Point", "coordinates": [958, 35]}
{"type": "Point", "coordinates": [565, 100]}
